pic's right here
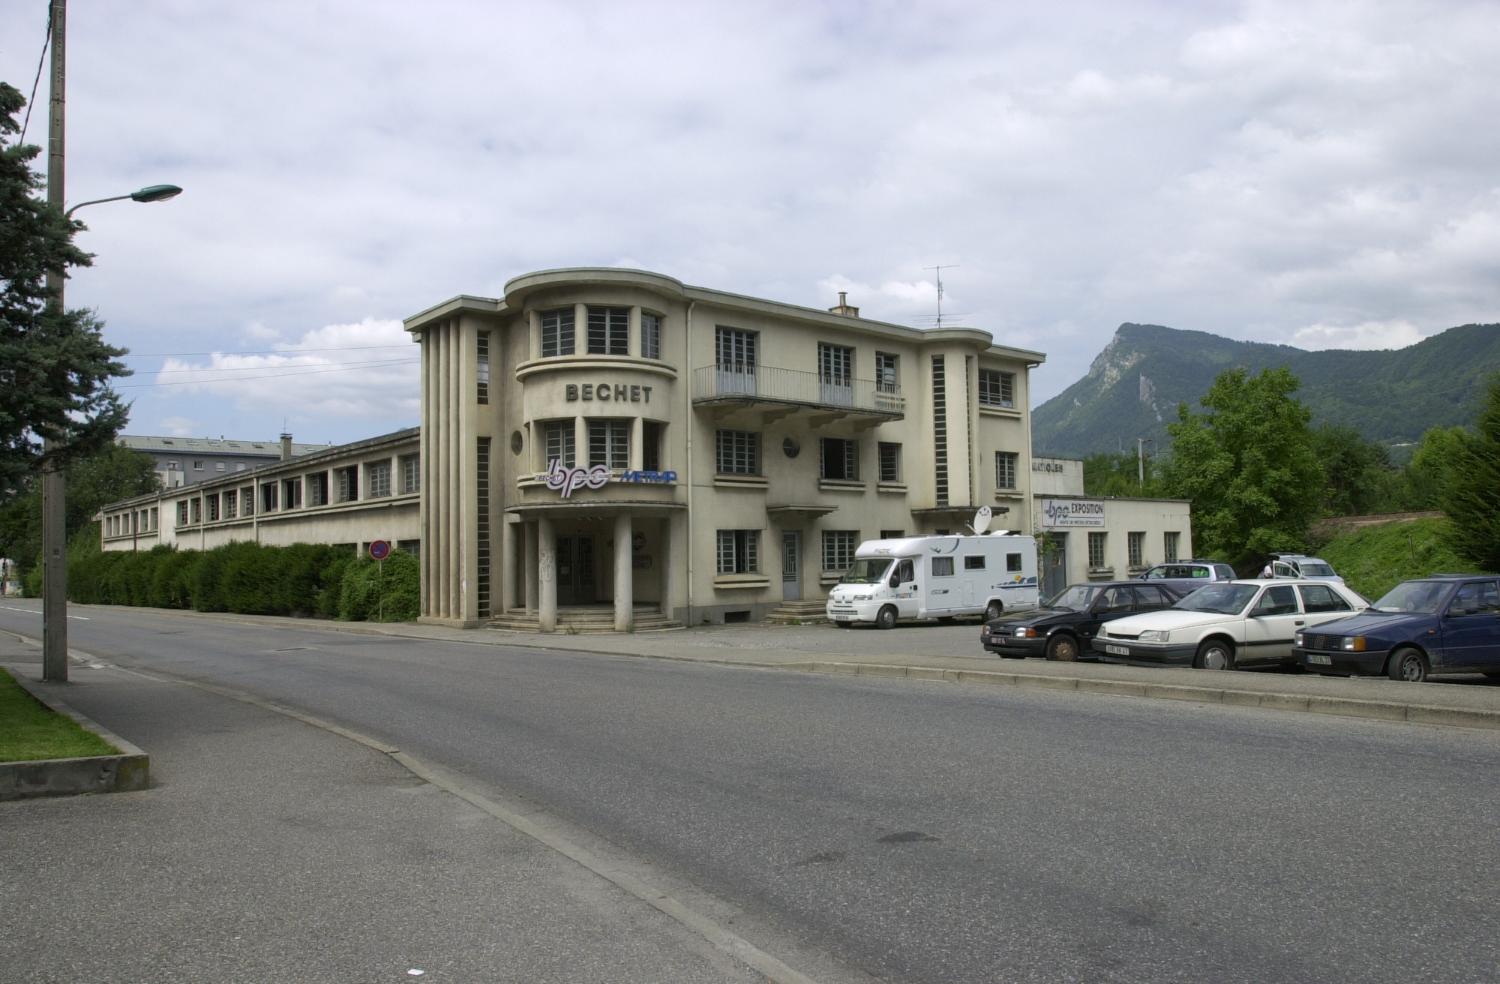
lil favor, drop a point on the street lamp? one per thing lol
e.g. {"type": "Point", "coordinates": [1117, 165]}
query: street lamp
{"type": "Point", "coordinates": [54, 492]}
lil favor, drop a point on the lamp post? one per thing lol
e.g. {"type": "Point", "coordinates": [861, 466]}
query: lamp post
{"type": "Point", "coordinates": [54, 491]}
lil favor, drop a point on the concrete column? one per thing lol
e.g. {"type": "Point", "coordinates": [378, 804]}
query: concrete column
{"type": "Point", "coordinates": [546, 555]}
{"type": "Point", "coordinates": [505, 591]}
{"type": "Point", "coordinates": [624, 574]}
{"type": "Point", "coordinates": [637, 437]}
{"type": "Point", "coordinates": [671, 578]}
{"type": "Point", "coordinates": [534, 329]}
{"type": "Point", "coordinates": [531, 565]}
{"type": "Point", "coordinates": [580, 329]}
{"type": "Point", "coordinates": [633, 342]}
{"type": "Point", "coordinates": [580, 442]}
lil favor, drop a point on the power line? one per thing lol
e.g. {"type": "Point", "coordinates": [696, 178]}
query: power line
{"type": "Point", "coordinates": [34, 82]}
{"type": "Point", "coordinates": [300, 351]}
{"type": "Point", "coordinates": [273, 375]}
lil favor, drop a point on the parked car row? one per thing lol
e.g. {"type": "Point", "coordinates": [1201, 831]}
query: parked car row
{"type": "Point", "coordinates": [1446, 623]}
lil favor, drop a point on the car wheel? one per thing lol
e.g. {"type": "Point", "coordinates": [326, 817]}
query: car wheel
{"type": "Point", "coordinates": [1215, 654]}
{"type": "Point", "coordinates": [993, 611]}
{"type": "Point", "coordinates": [1408, 665]}
{"type": "Point", "coordinates": [886, 619]}
{"type": "Point", "coordinates": [1062, 648]}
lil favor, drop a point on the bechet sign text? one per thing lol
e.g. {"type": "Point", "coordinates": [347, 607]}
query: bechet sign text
{"type": "Point", "coordinates": [607, 392]}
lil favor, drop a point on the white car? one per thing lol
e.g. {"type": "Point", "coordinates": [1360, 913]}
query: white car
{"type": "Point", "coordinates": [1229, 623]}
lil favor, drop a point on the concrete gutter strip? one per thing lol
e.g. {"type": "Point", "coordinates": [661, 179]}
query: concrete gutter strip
{"type": "Point", "coordinates": [127, 771]}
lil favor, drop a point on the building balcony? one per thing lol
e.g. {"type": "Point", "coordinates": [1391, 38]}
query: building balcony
{"type": "Point", "coordinates": [775, 393]}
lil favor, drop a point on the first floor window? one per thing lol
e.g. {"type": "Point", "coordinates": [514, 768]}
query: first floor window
{"type": "Point", "coordinates": [346, 483]}
{"type": "Point", "coordinates": [231, 504]}
{"type": "Point", "coordinates": [609, 331]}
{"type": "Point", "coordinates": [1005, 469]}
{"type": "Point", "coordinates": [838, 549]}
{"type": "Point", "coordinates": [840, 461]}
{"type": "Point", "coordinates": [1169, 547]}
{"type": "Point", "coordinates": [651, 445]}
{"type": "Point", "coordinates": [737, 452]}
{"type": "Point", "coordinates": [650, 335]}
{"type": "Point", "coordinates": [557, 332]}
{"type": "Point", "coordinates": [317, 488]}
{"type": "Point", "coordinates": [291, 493]}
{"type": "Point", "coordinates": [411, 473]}
{"type": "Point", "coordinates": [268, 497]}
{"type": "Point", "coordinates": [1096, 549]}
{"type": "Point", "coordinates": [609, 444]}
{"type": "Point", "coordinates": [886, 373]}
{"type": "Point", "coordinates": [182, 513]}
{"type": "Point", "coordinates": [890, 462]}
{"type": "Point", "coordinates": [557, 442]}
{"type": "Point", "coordinates": [213, 508]}
{"type": "Point", "coordinates": [739, 551]}
{"type": "Point", "coordinates": [377, 479]}
{"type": "Point", "coordinates": [247, 500]}
{"type": "Point", "coordinates": [1135, 544]}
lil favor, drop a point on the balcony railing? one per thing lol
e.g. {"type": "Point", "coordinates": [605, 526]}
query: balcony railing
{"type": "Point", "coordinates": [751, 384]}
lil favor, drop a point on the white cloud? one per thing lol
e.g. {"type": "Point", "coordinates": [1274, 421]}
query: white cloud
{"type": "Point", "coordinates": [178, 426]}
{"type": "Point", "coordinates": [1369, 335]}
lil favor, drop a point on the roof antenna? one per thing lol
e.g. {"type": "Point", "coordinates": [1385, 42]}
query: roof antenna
{"type": "Point", "coordinates": [940, 269]}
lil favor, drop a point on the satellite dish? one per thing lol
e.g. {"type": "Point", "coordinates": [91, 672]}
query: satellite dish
{"type": "Point", "coordinates": [981, 520]}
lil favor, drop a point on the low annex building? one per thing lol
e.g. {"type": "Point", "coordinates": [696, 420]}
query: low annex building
{"type": "Point", "coordinates": [615, 443]}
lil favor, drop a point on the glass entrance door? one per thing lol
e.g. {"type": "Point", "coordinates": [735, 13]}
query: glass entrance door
{"type": "Point", "coordinates": [791, 566]}
{"type": "Point", "coordinates": [575, 570]}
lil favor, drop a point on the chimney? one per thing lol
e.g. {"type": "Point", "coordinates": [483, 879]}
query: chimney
{"type": "Point", "coordinates": [286, 446]}
{"type": "Point", "coordinates": [843, 306]}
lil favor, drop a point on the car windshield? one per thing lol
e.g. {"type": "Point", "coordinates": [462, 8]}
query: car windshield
{"type": "Point", "coordinates": [1177, 572]}
{"type": "Point", "coordinates": [868, 570]}
{"type": "Point", "coordinates": [1313, 568]}
{"type": "Point", "coordinates": [1075, 598]}
{"type": "Point", "coordinates": [1222, 597]}
{"type": "Point", "coordinates": [1412, 596]}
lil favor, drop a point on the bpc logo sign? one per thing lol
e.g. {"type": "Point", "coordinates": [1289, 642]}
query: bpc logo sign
{"type": "Point", "coordinates": [566, 480]}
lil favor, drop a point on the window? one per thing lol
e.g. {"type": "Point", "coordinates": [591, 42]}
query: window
{"type": "Point", "coordinates": [609, 331]}
{"type": "Point", "coordinates": [1322, 598]}
{"type": "Point", "coordinates": [231, 504]}
{"type": "Point", "coordinates": [1005, 469]}
{"type": "Point", "coordinates": [651, 445]}
{"type": "Point", "coordinates": [182, 513]}
{"type": "Point", "coordinates": [735, 350]}
{"type": "Point", "coordinates": [997, 389]}
{"type": "Point", "coordinates": [885, 373]}
{"type": "Point", "coordinates": [1169, 547]}
{"type": "Point", "coordinates": [838, 549]}
{"type": "Point", "coordinates": [247, 500]}
{"type": "Point", "coordinates": [291, 493]}
{"type": "Point", "coordinates": [557, 332]}
{"type": "Point", "coordinates": [835, 373]}
{"type": "Point", "coordinates": [892, 534]}
{"type": "Point", "coordinates": [1135, 545]}
{"type": "Point", "coordinates": [197, 466]}
{"type": "Point", "coordinates": [737, 452]}
{"type": "Point", "coordinates": [1278, 600]}
{"type": "Point", "coordinates": [738, 551]}
{"type": "Point", "coordinates": [197, 511]}
{"type": "Point", "coordinates": [1012, 562]}
{"type": "Point", "coordinates": [240, 466]}
{"type": "Point", "coordinates": [890, 462]}
{"type": "Point", "coordinates": [975, 563]}
{"type": "Point", "coordinates": [609, 444]}
{"type": "Point", "coordinates": [1096, 549]}
{"type": "Point", "coordinates": [218, 466]}
{"type": "Point", "coordinates": [413, 547]}
{"type": "Point", "coordinates": [557, 442]}
{"type": "Point", "coordinates": [153, 517]}
{"type": "Point", "coordinates": [317, 488]}
{"type": "Point", "coordinates": [650, 335]}
{"type": "Point", "coordinates": [213, 508]}
{"type": "Point", "coordinates": [411, 473]}
{"type": "Point", "coordinates": [268, 497]}
{"type": "Point", "coordinates": [174, 465]}
{"type": "Point", "coordinates": [840, 459]}
{"type": "Point", "coordinates": [482, 366]}
{"type": "Point", "coordinates": [377, 479]}
{"type": "Point", "coordinates": [942, 567]}
{"type": "Point", "coordinates": [346, 484]}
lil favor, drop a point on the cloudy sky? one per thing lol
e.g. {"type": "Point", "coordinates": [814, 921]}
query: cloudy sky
{"type": "Point", "coordinates": [1317, 174]}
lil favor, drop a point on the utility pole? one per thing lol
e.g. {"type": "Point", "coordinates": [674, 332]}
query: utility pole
{"type": "Point", "coordinates": [54, 513]}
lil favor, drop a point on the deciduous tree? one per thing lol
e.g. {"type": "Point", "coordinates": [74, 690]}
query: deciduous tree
{"type": "Point", "coordinates": [1248, 466]}
{"type": "Point", "coordinates": [1472, 498]}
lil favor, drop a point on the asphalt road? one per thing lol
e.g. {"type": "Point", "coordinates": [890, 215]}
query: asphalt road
{"type": "Point", "coordinates": [929, 832]}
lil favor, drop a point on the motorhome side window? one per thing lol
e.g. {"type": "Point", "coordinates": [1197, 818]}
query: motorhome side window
{"type": "Point", "coordinates": [1012, 562]}
{"type": "Point", "coordinates": [905, 573]}
{"type": "Point", "coordinates": [942, 567]}
{"type": "Point", "coordinates": [973, 563]}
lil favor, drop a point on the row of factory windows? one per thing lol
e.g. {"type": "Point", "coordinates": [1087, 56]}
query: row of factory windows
{"type": "Point", "coordinates": [370, 480]}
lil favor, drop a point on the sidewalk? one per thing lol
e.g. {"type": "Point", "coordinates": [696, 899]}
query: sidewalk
{"type": "Point", "coordinates": [271, 850]}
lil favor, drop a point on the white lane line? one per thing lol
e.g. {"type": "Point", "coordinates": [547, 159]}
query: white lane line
{"type": "Point", "coordinates": [37, 611]}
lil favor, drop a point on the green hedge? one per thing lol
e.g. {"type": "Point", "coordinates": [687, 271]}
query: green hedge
{"type": "Point", "coordinates": [304, 579]}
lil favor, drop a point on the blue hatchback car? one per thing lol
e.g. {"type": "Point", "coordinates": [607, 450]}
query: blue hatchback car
{"type": "Point", "coordinates": [1446, 623]}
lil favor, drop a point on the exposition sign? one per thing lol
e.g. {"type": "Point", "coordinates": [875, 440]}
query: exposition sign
{"type": "Point", "coordinates": [1072, 512]}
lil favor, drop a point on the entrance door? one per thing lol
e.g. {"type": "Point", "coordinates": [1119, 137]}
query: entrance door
{"type": "Point", "coordinates": [575, 570]}
{"type": "Point", "coordinates": [1055, 565]}
{"type": "Point", "coordinates": [791, 565]}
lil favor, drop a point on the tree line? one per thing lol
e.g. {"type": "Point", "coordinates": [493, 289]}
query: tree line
{"type": "Point", "coordinates": [1259, 474]}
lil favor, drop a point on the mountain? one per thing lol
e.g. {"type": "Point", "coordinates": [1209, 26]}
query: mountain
{"type": "Point", "coordinates": [1134, 386]}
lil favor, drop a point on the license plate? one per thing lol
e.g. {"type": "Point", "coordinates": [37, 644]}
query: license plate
{"type": "Point", "coordinates": [843, 618]}
{"type": "Point", "coordinates": [1319, 658]}
{"type": "Point", "coordinates": [1117, 650]}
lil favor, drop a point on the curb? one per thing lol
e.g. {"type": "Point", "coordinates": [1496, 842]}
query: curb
{"type": "Point", "coordinates": [128, 771]}
{"type": "Point", "coordinates": [1379, 710]}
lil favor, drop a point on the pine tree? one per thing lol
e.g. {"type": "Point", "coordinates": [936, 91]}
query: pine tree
{"type": "Point", "coordinates": [54, 370]}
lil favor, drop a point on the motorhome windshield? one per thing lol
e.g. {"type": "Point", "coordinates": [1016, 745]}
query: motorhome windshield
{"type": "Point", "coordinates": [868, 570]}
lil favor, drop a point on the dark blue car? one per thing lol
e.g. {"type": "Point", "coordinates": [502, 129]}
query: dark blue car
{"type": "Point", "coordinates": [1446, 623]}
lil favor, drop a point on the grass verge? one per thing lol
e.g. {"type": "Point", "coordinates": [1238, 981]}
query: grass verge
{"type": "Point", "coordinates": [1375, 559]}
{"type": "Point", "coordinates": [30, 731]}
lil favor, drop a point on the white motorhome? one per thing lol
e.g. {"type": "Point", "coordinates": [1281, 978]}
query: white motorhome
{"type": "Point", "coordinates": [927, 577]}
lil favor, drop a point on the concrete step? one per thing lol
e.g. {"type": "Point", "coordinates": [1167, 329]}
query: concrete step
{"type": "Point", "coordinates": [798, 613]}
{"type": "Point", "coordinates": [595, 619]}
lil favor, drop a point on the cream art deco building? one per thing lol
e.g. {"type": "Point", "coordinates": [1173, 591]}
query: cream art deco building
{"type": "Point", "coordinates": [614, 446]}
{"type": "Point", "coordinates": [616, 438]}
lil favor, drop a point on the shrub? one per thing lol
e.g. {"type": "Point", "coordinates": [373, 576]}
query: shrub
{"type": "Point", "coordinates": [388, 594]}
